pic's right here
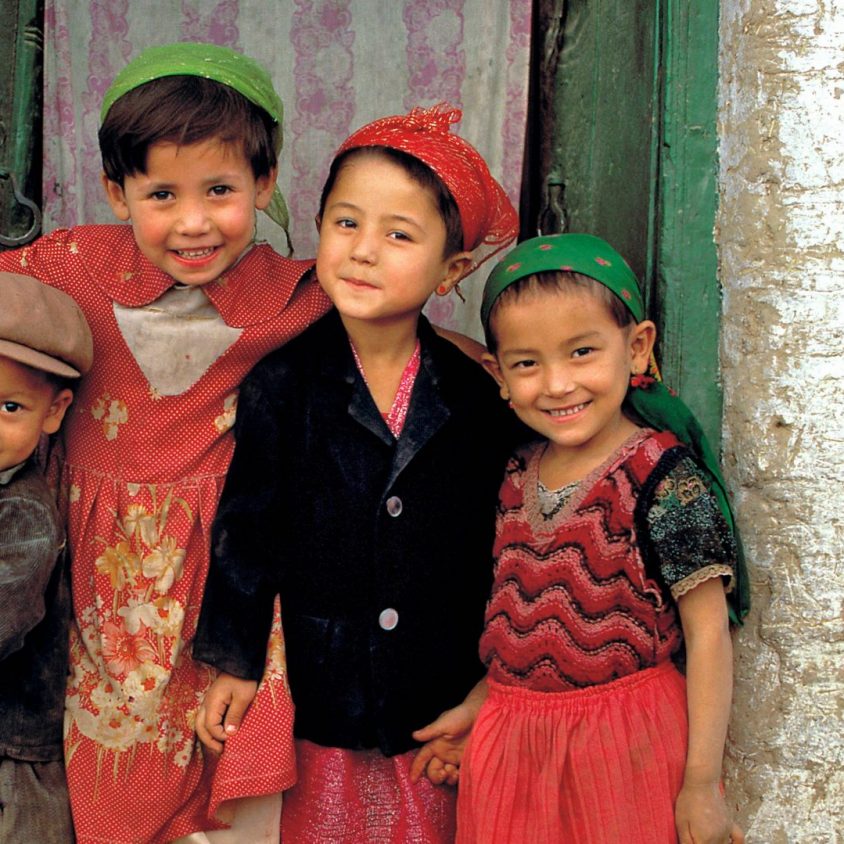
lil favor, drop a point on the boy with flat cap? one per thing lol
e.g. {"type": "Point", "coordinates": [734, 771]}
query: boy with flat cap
{"type": "Point", "coordinates": [45, 347]}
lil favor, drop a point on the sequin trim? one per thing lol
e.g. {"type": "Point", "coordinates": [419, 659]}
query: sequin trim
{"type": "Point", "coordinates": [551, 501]}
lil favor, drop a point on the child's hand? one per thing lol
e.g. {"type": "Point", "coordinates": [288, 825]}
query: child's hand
{"type": "Point", "coordinates": [223, 709]}
{"type": "Point", "coordinates": [446, 738]}
{"type": "Point", "coordinates": [702, 817]}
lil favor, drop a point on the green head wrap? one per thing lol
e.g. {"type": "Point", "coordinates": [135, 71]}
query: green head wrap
{"type": "Point", "coordinates": [209, 61]}
{"type": "Point", "coordinates": [647, 397]}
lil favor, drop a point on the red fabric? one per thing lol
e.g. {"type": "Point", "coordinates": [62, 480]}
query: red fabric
{"type": "Point", "coordinates": [592, 766]}
{"type": "Point", "coordinates": [487, 214]}
{"type": "Point", "coordinates": [141, 484]}
{"type": "Point", "coordinates": [258, 758]}
{"type": "Point", "coordinates": [397, 413]}
{"type": "Point", "coordinates": [364, 797]}
{"type": "Point", "coordinates": [572, 604]}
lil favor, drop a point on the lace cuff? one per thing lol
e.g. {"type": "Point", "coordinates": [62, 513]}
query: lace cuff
{"type": "Point", "coordinates": [697, 577]}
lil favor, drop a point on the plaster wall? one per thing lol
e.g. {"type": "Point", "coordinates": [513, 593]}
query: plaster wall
{"type": "Point", "coordinates": [781, 242]}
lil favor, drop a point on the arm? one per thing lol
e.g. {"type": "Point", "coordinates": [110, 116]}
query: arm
{"type": "Point", "coordinates": [13, 261]}
{"type": "Point", "coordinates": [686, 536]}
{"type": "Point", "coordinates": [237, 605]}
{"type": "Point", "coordinates": [46, 258]}
{"type": "Point", "coordinates": [439, 759]}
{"type": "Point", "coordinates": [28, 553]}
{"type": "Point", "coordinates": [471, 348]}
{"type": "Point", "coordinates": [223, 709]}
{"type": "Point", "coordinates": [701, 814]}
{"type": "Point", "coordinates": [236, 612]}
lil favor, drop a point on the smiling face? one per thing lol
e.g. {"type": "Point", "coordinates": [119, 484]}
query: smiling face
{"type": "Point", "coordinates": [193, 210]}
{"type": "Point", "coordinates": [382, 244]}
{"type": "Point", "coordinates": [29, 405]}
{"type": "Point", "coordinates": [565, 364]}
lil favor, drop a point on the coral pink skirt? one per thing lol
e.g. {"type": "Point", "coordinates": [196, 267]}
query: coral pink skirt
{"type": "Point", "coordinates": [601, 765]}
{"type": "Point", "coordinates": [364, 797]}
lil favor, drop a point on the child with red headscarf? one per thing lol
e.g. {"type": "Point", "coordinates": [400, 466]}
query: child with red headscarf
{"type": "Point", "coordinates": [362, 489]}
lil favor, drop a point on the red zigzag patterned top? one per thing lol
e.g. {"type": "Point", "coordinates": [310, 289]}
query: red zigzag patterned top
{"type": "Point", "coordinates": [587, 594]}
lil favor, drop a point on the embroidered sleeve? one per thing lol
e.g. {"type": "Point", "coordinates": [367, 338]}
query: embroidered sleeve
{"type": "Point", "coordinates": [688, 535]}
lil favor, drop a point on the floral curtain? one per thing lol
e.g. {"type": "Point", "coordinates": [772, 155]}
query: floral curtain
{"type": "Point", "coordinates": [336, 63]}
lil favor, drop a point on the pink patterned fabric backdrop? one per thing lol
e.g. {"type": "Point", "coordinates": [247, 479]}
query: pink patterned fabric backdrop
{"type": "Point", "coordinates": [337, 65]}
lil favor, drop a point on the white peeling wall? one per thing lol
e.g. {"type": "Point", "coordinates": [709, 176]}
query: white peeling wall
{"type": "Point", "coordinates": [781, 240]}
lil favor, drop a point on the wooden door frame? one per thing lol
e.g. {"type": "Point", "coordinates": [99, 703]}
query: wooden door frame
{"type": "Point", "coordinates": [684, 271]}
{"type": "Point", "coordinates": [680, 272]}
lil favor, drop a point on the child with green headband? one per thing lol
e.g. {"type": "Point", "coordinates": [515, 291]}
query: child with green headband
{"type": "Point", "coordinates": [182, 303]}
{"type": "Point", "coordinates": [613, 555]}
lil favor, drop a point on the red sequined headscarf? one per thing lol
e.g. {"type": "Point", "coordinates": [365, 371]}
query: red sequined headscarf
{"type": "Point", "coordinates": [489, 220]}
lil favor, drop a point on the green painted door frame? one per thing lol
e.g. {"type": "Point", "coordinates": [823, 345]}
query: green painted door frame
{"type": "Point", "coordinates": [685, 268]}
{"type": "Point", "coordinates": [628, 150]}
{"type": "Point", "coordinates": [20, 120]}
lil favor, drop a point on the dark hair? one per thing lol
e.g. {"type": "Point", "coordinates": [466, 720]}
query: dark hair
{"type": "Point", "coordinates": [61, 382]}
{"type": "Point", "coordinates": [183, 110]}
{"type": "Point", "coordinates": [420, 173]}
{"type": "Point", "coordinates": [55, 382]}
{"type": "Point", "coordinates": [557, 280]}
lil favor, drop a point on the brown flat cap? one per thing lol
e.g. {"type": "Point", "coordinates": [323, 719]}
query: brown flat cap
{"type": "Point", "coordinates": [42, 327]}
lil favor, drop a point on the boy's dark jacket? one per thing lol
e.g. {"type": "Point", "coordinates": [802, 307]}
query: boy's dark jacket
{"type": "Point", "coordinates": [34, 618]}
{"type": "Point", "coordinates": [323, 506]}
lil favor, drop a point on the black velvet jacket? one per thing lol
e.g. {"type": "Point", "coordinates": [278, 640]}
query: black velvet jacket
{"type": "Point", "coordinates": [325, 507]}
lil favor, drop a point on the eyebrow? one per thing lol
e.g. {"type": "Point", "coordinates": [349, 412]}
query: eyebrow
{"type": "Point", "coordinates": [506, 352]}
{"type": "Point", "coordinates": [579, 338]}
{"type": "Point", "coordinates": [569, 341]}
{"type": "Point", "coordinates": [17, 395]}
{"type": "Point", "coordinates": [208, 181]}
{"type": "Point", "coordinates": [341, 204]}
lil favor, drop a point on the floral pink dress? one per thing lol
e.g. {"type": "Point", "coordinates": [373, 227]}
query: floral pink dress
{"type": "Point", "coordinates": [148, 443]}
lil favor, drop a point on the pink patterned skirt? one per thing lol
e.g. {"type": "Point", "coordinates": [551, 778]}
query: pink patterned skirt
{"type": "Point", "coordinates": [364, 797]}
{"type": "Point", "coordinates": [592, 766]}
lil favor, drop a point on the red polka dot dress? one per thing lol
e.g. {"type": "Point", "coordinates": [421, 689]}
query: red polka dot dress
{"type": "Point", "coordinates": [148, 442]}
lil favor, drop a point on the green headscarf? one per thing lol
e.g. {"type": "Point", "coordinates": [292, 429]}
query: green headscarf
{"type": "Point", "coordinates": [210, 61]}
{"type": "Point", "coordinates": [647, 397]}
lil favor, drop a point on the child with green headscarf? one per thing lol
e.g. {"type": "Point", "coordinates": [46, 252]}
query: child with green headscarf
{"type": "Point", "coordinates": [182, 303]}
{"type": "Point", "coordinates": [614, 549]}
